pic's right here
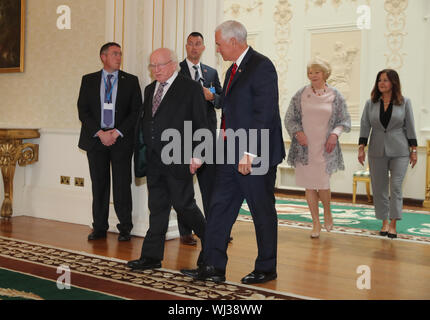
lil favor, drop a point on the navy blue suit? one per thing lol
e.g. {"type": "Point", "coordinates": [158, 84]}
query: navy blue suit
{"type": "Point", "coordinates": [206, 174]}
{"type": "Point", "coordinates": [250, 103]}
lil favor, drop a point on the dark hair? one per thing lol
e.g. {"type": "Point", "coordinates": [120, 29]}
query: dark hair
{"type": "Point", "coordinates": [196, 34]}
{"type": "Point", "coordinates": [106, 47]}
{"type": "Point", "coordinates": [396, 93]}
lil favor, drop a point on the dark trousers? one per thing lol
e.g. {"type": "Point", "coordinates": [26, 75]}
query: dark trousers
{"type": "Point", "coordinates": [231, 188]}
{"type": "Point", "coordinates": [100, 160]}
{"type": "Point", "coordinates": [206, 179]}
{"type": "Point", "coordinates": [165, 192]}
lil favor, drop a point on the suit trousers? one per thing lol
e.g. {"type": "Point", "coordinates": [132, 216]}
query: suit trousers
{"type": "Point", "coordinates": [164, 192]}
{"type": "Point", "coordinates": [206, 180]}
{"type": "Point", "coordinates": [100, 159]}
{"type": "Point", "coordinates": [387, 190]}
{"type": "Point", "coordinates": [231, 188]}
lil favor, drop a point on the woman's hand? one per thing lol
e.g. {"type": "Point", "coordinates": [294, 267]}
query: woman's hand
{"type": "Point", "coordinates": [413, 158]}
{"type": "Point", "coordinates": [331, 143]}
{"type": "Point", "coordinates": [301, 138]}
{"type": "Point", "coordinates": [361, 155]}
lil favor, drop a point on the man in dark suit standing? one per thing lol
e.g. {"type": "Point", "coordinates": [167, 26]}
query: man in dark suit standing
{"type": "Point", "coordinates": [108, 105]}
{"type": "Point", "coordinates": [192, 68]}
{"type": "Point", "coordinates": [169, 102]}
{"type": "Point", "coordinates": [250, 104]}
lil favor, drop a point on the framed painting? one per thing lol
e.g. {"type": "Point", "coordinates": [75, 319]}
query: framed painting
{"type": "Point", "coordinates": [12, 26]}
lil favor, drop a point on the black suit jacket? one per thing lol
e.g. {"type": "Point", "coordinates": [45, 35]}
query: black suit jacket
{"type": "Point", "coordinates": [184, 101]}
{"type": "Point", "coordinates": [210, 76]}
{"type": "Point", "coordinates": [128, 102]}
{"type": "Point", "coordinates": [252, 102]}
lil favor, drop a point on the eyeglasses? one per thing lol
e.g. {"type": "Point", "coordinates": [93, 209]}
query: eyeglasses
{"type": "Point", "coordinates": [159, 65]}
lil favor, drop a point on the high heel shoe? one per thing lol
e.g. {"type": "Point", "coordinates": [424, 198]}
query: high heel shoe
{"type": "Point", "coordinates": [383, 233]}
{"type": "Point", "coordinates": [392, 235]}
{"type": "Point", "coordinates": [315, 234]}
{"type": "Point", "coordinates": [328, 226]}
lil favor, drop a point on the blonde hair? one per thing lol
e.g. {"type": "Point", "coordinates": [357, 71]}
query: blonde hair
{"type": "Point", "coordinates": [321, 65]}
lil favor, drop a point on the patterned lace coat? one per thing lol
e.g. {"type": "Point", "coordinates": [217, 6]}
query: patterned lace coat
{"type": "Point", "coordinates": [293, 124]}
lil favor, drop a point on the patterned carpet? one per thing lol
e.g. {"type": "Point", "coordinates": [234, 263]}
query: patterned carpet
{"type": "Point", "coordinates": [349, 219]}
{"type": "Point", "coordinates": [112, 276]}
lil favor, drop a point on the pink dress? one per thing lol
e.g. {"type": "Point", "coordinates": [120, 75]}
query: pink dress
{"type": "Point", "coordinates": [316, 113]}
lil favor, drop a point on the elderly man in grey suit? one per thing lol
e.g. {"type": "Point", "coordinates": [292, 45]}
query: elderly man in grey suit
{"type": "Point", "coordinates": [388, 116]}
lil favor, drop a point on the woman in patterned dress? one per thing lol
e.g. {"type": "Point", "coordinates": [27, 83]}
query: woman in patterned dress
{"type": "Point", "coordinates": [315, 119]}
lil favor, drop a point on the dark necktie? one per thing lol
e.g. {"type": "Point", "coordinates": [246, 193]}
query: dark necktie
{"type": "Point", "coordinates": [233, 72]}
{"type": "Point", "coordinates": [108, 113]}
{"type": "Point", "coordinates": [157, 98]}
{"type": "Point", "coordinates": [196, 73]}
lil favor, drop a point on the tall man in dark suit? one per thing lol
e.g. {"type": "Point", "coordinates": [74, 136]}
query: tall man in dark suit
{"type": "Point", "coordinates": [108, 105]}
{"type": "Point", "coordinates": [250, 104]}
{"type": "Point", "coordinates": [169, 102]}
{"type": "Point", "coordinates": [192, 68]}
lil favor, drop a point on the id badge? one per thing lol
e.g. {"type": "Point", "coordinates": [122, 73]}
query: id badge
{"type": "Point", "coordinates": [108, 106]}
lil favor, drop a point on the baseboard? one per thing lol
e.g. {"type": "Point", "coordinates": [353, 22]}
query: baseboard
{"type": "Point", "coordinates": [347, 197]}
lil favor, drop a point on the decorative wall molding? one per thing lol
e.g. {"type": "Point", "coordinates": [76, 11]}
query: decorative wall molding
{"type": "Point", "coordinates": [396, 25]}
{"type": "Point", "coordinates": [236, 9]}
{"type": "Point", "coordinates": [341, 63]}
{"type": "Point", "coordinates": [335, 3]}
{"type": "Point", "coordinates": [282, 18]}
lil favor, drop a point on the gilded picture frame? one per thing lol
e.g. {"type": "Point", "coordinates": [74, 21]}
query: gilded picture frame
{"type": "Point", "coordinates": [12, 36]}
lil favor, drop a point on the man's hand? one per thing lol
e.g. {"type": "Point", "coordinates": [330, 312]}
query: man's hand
{"type": "Point", "coordinates": [209, 96]}
{"type": "Point", "coordinates": [195, 164]}
{"type": "Point", "coordinates": [245, 163]}
{"type": "Point", "coordinates": [108, 138]}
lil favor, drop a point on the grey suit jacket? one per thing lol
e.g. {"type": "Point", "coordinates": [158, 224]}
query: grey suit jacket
{"type": "Point", "coordinates": [393, 140]}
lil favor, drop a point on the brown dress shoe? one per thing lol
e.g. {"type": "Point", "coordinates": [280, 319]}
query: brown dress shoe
{"type": "Point", "coordinates": [188, 240]}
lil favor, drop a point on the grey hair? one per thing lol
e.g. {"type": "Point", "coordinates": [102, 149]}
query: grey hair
{"type": "Point", "coordinates": [233, 29]}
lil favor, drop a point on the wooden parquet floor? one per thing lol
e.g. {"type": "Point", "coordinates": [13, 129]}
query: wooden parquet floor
{"type": "Point", "coordinates": [324, 268]}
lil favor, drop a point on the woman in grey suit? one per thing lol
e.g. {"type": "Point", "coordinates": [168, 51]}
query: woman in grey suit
{"type": "Point", "coordinates": [388, 119]}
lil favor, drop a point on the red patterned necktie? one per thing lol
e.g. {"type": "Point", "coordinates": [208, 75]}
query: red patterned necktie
{"type": "Point", "coordinates": [233, 72]}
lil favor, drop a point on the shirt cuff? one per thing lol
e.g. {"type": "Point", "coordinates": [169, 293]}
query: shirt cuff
{"type": "Point", "coordinates": [412, 142]}
{"type": "Point", "coordinates": [338, 131]}
{"type": "Point", "coordinates": [362, 141]}
{"type": "Point", "coordinates": [250, 154]}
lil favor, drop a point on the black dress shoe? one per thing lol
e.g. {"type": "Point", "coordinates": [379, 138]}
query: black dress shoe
{"type": "Point", "coordinates": [392, 235]}
{"type": "Point", "coordinates": [383, 233]}
{"type": "Point", "coordinates": [205, 273]}
{"type": "Point", "coordinates": [124, 237]}
{"type": "Point", "coordinates": [259, 277]}
{"type": "Point", "coordinates": [96, 235]}
{"type": "Point", "coordinates": [188, 240]}
{"type": "Point", "coordinates": [144, 264]}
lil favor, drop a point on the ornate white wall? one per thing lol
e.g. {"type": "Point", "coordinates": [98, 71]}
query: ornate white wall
{"type": "Point", "coordinates": [287, 31]}
{"type": "Point", "coordinates": [290, 32]}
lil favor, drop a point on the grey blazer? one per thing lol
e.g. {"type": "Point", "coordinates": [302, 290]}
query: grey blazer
{"type": "Point", "coordinates": [394, 139]}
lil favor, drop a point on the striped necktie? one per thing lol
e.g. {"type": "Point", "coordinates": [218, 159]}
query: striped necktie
{"type": "Point", "coordinates": [157, 98]}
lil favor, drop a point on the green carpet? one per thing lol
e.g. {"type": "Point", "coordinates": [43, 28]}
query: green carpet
{"type": "Point", "coordinates": [351, 216]}
{"type": "Point", "coordinates": [20, 286]}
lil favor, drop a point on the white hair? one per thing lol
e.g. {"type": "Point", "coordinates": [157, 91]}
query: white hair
{"type": "Point", "coordinates": [233, 29]}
